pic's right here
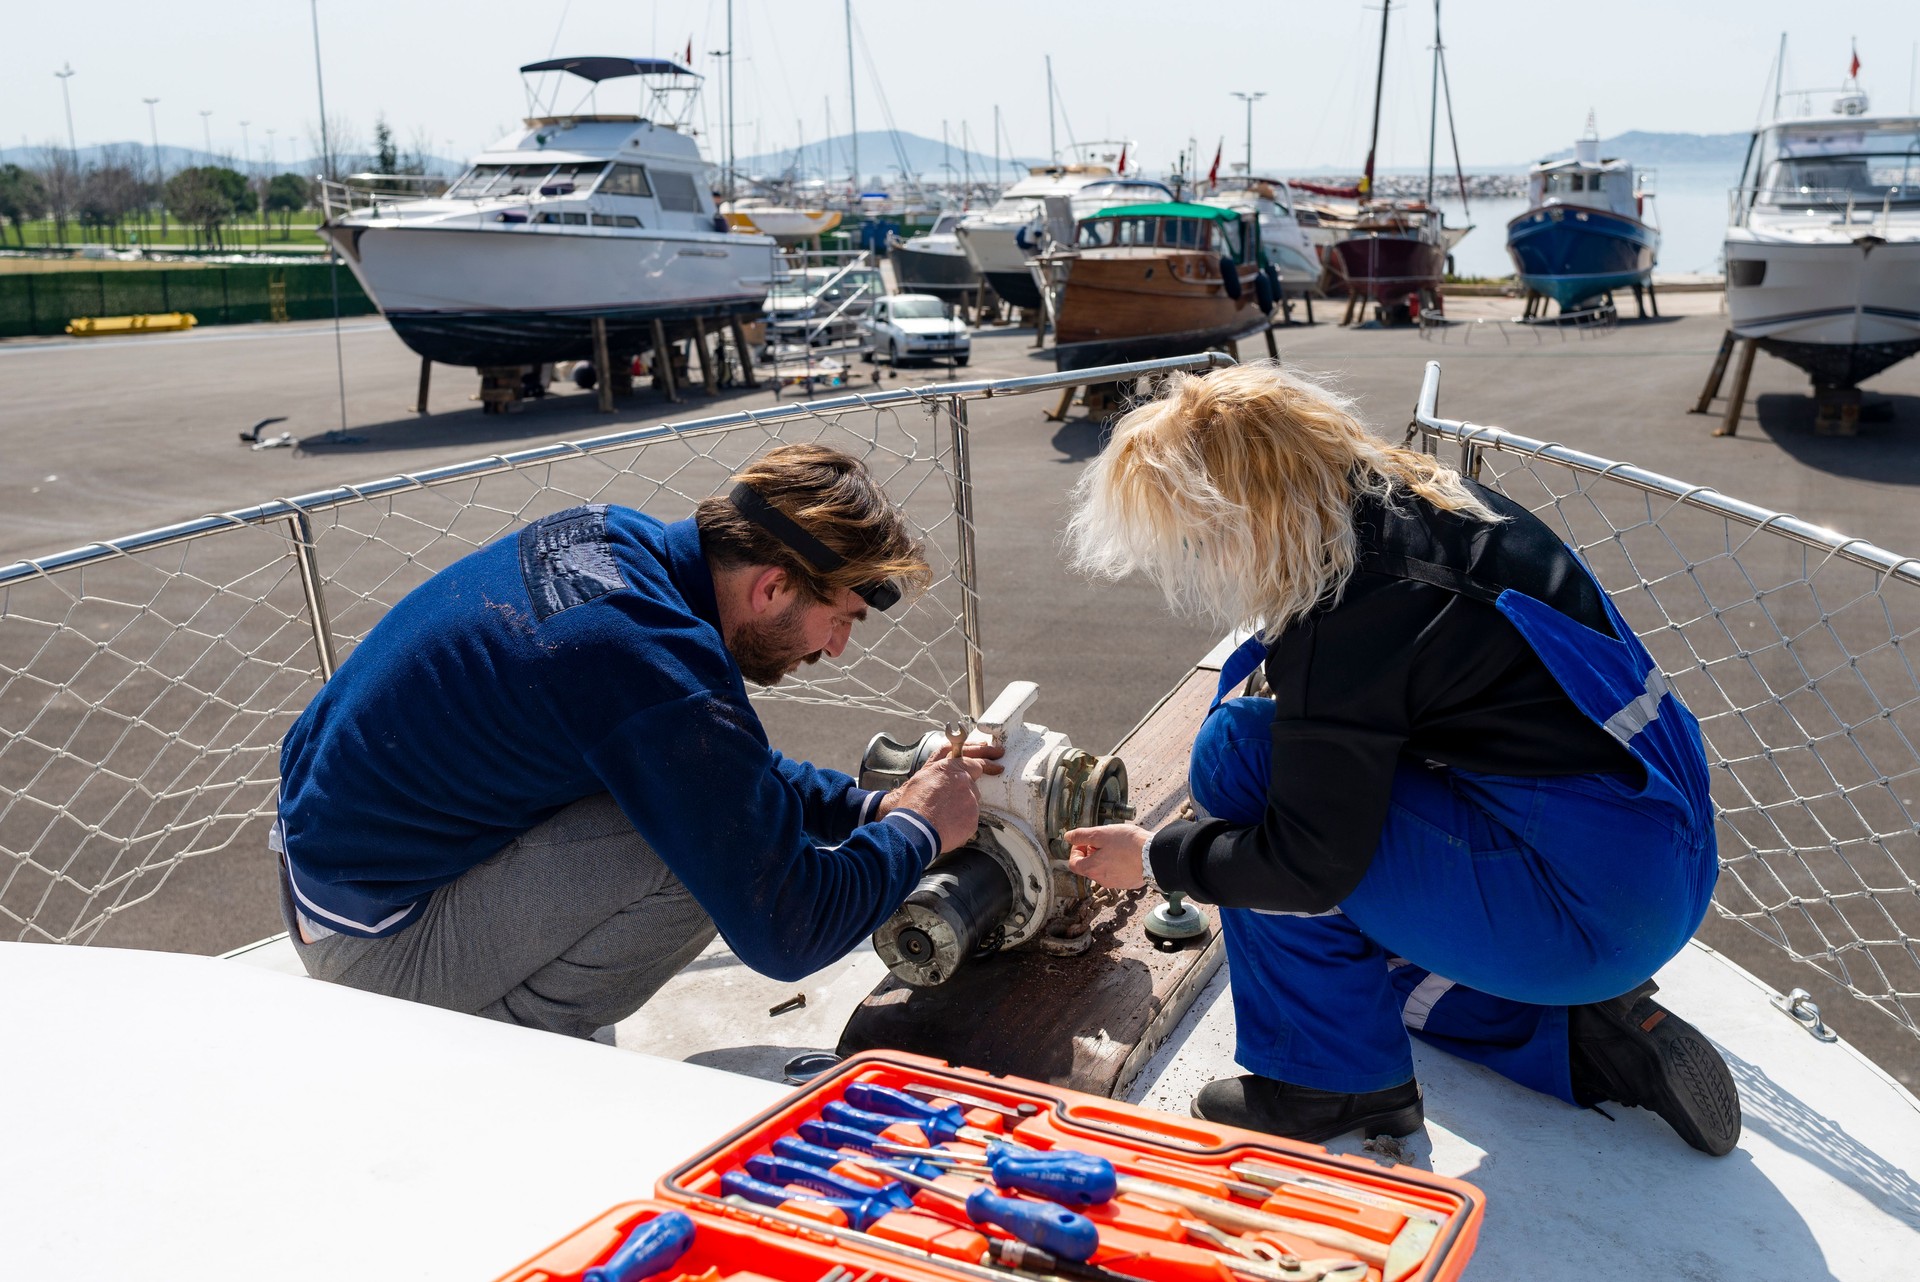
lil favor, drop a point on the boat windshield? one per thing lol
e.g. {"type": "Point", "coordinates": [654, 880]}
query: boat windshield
{"type": "Point", "coordinates": [945, 224]}
{"type": "Point", "coordinates": [1169, 233]}
{"type": "Point", "coordinates": [1837, 165]}
{"type": "Point", "coordinates": [918, 309]}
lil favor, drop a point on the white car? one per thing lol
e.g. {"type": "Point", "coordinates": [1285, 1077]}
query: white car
{"type": "Point", "coordinates": [916, 327]}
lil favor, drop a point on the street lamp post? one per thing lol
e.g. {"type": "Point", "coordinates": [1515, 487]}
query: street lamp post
{"type": "Point", "coordinates": [206, 132]}
{"type": "Point", "coordinates": [1249, 99]}
{"type": "Point", "coordinates": [159, 173]}
{"type": "Point", "coordinates": [73, 149]}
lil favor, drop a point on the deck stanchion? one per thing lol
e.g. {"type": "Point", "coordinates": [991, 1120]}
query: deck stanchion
{"type": "Point", "coordinates": [1731, 423]}
{"type": "Point", "coordinates": [426, 377]}
{"type": "Point", "coordinates": [306, 556]}
{"type": "Point", "coordinates": [969, 575]}
{"type": "Point", "coordinates": [602, 365]}
{"type": "Point", "coordinates": [1273, 348]}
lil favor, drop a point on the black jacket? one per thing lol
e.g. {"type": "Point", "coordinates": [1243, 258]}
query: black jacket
{"type": "Point", "coordinates": [1411, 665]}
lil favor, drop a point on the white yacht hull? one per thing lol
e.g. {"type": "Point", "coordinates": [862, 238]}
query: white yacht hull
{"type": "Point", "coordinates": [518, 294]}
{"type": "Point", "coordinates": [1843, 310]}
{"type": "Point", "coordinates": [994, 250]}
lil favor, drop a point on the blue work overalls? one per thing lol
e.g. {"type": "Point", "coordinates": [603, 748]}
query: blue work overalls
{"type": "Point", "coordinates": [1493, 902]}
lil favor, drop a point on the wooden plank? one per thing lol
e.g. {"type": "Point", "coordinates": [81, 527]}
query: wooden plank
{"type": "Point", "coordinates": [1090, 1021]}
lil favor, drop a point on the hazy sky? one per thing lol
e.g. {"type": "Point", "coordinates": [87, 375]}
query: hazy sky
{"type": "Point", "coordinates": [1524, 72]}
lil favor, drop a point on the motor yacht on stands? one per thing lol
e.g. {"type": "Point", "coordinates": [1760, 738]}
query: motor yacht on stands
{"type": "Point", "coordinates": [1585, 232]}
{"type": "Point", "coordinates": [1823, 239]}
{"type": "Point", "coordinates": [579, 216]}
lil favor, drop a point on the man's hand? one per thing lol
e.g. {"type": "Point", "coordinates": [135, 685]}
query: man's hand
{"type": "Point", "coordinates": [941, 792]}
{"type": "Point", "coordinates": [1112, 854]}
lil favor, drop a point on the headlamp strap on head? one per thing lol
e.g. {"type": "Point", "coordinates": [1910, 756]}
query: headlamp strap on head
{"type": "Point", "coordinates": [753, 505]}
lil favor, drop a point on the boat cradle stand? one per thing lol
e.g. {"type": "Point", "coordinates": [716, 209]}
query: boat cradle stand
{"type": "Point", "coordinates": [1645, 301]}
{"type": "Point", "coordinates": [1091, 1021]}
{"type": "Point", "coordinates": [1837, 410]}
{"type": "Point", "coordinates": [502, 387]}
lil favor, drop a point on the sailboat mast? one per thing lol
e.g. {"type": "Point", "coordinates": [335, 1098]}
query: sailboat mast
{"type": "Point", "coordinates": [1379, 82]}
{"type": "Point", "coordinates": [1053, 143]}
{"type": "Point", "coordinates": [1433, 103]}
{"type": "Point", "coordinates": [730, 175]}
{"type": "Point", "coordinates": [996, 144]}
{"type": "Point", "coordinates": [853, 110]}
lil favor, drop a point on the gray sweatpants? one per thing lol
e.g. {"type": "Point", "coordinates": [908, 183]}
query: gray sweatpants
{"type": "Point", "coordinates": [571, 927]}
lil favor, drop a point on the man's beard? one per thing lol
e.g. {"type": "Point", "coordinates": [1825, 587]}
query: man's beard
{"type": "Point", "coordinates": [767, 652]}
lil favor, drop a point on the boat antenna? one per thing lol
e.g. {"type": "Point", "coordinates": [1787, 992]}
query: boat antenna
{"type": "Point", "coordinates": [1453, 131]}
{"type": "Point", "coordinates": [558, 27]}
{"type": "Point", "coordinates": [1779, 75]}
{"type": "Point", "coordinates": [853, 108]}
{"type": "Point", "coordinates": [1053, 141]}
{"type": "Point", "coordinates": [1379, 82]}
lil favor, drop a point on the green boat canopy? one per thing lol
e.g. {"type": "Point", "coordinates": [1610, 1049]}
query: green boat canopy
{"type": "Point", "coordinates": [1168, 209]}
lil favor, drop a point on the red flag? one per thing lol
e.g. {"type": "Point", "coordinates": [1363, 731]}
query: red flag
{"type": "Point", "coordinates": [1854, 70]}
{"type": "Point", "coordinates": [1213, 175]}
{"type": "Point", "coordinates": [689, 51]}
{"type": "Point", "coordinates": [1123, 158]}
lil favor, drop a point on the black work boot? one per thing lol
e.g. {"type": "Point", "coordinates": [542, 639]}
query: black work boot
{"type": "Point", "coordinates": [1303, 1113]}
{"type": "Point", "coordinates": [1634, 1051]}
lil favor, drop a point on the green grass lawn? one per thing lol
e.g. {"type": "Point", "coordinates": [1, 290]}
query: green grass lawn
{"type": "Point", "coordinates": [250, 232]}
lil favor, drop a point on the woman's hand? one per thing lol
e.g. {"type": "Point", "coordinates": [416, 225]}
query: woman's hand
{"type": "Point", "coordinates": [1113, 855]}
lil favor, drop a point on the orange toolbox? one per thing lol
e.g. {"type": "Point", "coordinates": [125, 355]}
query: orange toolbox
{"type": "Point", "coordinates": [896, 1168]}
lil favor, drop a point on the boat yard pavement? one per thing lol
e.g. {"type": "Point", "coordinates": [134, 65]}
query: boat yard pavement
{"type": "Point", "coordinates": [114, 436]}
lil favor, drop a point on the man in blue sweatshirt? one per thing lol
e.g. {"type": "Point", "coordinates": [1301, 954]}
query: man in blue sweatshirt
{"type": "Point", "coordinates": [537, 787]}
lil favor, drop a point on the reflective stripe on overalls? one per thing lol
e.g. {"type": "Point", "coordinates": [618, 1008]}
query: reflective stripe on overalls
{"type": "Point", "coordinates": [1492, 902]}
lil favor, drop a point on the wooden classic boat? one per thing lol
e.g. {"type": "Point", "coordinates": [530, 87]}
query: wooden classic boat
{"type": "Point", "coordinates": [1146, 281]}
{"type": "Point", "coordinates": [1396, 255]}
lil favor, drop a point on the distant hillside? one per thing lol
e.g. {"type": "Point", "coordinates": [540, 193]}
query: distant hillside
{"type": "Point", "coordinates": [880, 156]}
{"type": "Point", "coordinates": [1644, 148]}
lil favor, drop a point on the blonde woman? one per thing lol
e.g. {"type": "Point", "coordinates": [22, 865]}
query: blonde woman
{"type": "Point", "coordinates": [1469, 807]}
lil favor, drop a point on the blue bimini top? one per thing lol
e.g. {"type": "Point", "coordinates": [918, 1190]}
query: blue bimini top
{"type": "Point", "coordinates": [579, 656]}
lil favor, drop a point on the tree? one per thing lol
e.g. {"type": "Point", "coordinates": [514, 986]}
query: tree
{"type": "Point", "coordinates": [208, 196]}
{"type": "Point", "coordinates": [386, 155]}
{"type": "Point", "coordinates": [60, 177]}
{"type": "Point", "coordinates": [110, 190]}
{"type": "Point", "coordinates": [287, 194]}
{"type": "Point", "coordinates": [23, 197]}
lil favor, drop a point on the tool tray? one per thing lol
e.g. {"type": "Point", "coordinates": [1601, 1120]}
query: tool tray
{"type": "Point", "coordinates": [775, 1244]}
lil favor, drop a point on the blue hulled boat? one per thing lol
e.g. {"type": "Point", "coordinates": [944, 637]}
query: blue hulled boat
{"type": "Point", "coordinates": [1585, 231]}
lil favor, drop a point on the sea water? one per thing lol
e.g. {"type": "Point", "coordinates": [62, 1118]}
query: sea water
{"type": "Point", "coordinates": [1690, 207]}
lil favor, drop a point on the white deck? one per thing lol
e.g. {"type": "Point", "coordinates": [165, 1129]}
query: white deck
{"type": "Point", "coordinates": [331, 1128]}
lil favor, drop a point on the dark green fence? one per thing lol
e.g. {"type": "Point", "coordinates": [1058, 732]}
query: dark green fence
{"type": "Point", "coordinates": [43, 303]}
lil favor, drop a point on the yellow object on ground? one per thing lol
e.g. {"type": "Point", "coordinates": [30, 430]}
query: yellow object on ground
{"type": "Point", "coordinates": [94, 326]}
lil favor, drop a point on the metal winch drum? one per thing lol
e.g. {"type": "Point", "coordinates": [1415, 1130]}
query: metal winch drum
{"type": "Point", "coordinates": [1009, 885]}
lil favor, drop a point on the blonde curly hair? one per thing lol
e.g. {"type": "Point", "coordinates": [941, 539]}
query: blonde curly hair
{"type": "Point", "coordinates": [1234, 492]}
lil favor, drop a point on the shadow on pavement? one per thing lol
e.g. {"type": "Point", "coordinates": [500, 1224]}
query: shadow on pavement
{"type": "Point", "coordinates": [1887, 449]}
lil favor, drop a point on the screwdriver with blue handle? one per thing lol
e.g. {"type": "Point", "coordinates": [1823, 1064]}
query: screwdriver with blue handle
{"type": "Point", "coordinates": [651, 1248]}
{"type": "Point", "coordinates": [860, 1212]}
{"type": "Point", "coordinates": [786, 1170]}
{"type": "Point", "coordinates": [1052, 1228]}
{"type": "Point", "coordinates": [942, 1123]}
{"type": "Point", "coordinates": [1059, 1175]}
{"type": "Point", "coordinates": [831, 1159]}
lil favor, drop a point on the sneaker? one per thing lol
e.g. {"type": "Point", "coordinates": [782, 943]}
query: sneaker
{"type": "Point", "coordinates": [1636, 1052]}
{"type": "Point", "coordinates": [1303, 1113]}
